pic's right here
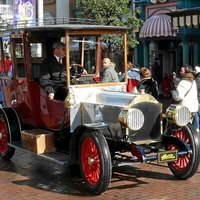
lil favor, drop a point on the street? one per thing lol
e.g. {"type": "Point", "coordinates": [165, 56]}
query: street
{"type": "Point", "coordinates": [28, 177]}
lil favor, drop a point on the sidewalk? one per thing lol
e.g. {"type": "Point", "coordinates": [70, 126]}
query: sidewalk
{"type": "Point", "coordinates": [27, 177]}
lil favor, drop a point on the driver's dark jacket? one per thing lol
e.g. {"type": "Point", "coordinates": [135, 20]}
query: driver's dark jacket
{"type": "Point", "coordinates": [49, 74]}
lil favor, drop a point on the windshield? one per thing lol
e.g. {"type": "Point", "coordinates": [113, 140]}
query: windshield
{"type": "Point", "coordinates": [91, 51]}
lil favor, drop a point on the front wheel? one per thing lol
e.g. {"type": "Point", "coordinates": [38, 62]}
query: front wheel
{"type": "Point", "coordinates": [95, 161]}
{"type": "Point", "coordinates": [186, 165]}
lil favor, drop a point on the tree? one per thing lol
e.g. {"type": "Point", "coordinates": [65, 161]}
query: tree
{"type": "Point", "coordinates": [113, 12]}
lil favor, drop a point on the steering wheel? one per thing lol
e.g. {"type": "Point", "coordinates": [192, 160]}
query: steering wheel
{"type": "Point", "coordinates": [76, 71]}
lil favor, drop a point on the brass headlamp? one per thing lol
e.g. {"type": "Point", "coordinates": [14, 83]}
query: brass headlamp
{"type": "Point", "coordinates": [179, 115]}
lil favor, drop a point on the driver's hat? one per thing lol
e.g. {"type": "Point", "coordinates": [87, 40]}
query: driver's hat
{"type": "Point", "coordinates": [58, 45]}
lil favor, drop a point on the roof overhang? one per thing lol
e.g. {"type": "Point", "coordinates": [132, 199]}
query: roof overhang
{"type": "Point", "coordinates": [188, 18]}
{"type": "Point", "coordinates": [157, 26]}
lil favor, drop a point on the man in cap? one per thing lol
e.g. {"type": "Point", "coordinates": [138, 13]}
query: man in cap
{"type": "Point", "coordinates": [50, 70]}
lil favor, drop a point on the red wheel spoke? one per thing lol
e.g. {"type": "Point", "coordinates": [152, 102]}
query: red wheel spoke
{"type": "Point", "coordinates": [4, 135]}
{"type": "Point", "coordinates": [90, 161]}
{"type": "Point", "coordinates": [184, 160]}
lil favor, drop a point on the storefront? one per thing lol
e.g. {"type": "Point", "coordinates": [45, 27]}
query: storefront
{"type": "Point", "coordinates": [187, 23]}
{"type": "Point", "coordinates": [157, 37]}
{"type": "Point", "coordinates": [170, 32]}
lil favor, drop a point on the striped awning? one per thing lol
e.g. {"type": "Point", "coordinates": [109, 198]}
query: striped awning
{"type": "Point", "coordinates": [157, 26]}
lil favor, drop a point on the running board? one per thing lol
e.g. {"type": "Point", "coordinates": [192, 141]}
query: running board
{"type": "Point", "coordinates": [58, 157]}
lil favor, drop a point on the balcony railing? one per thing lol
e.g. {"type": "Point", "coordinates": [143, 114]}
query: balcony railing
{"type": "Point", "coordinates": [10, 23]}
{"type": "Point", "coordinates": [6, 11]}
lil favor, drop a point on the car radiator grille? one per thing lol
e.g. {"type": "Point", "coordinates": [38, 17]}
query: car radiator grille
{"type": "Point", "coordinates": [151, 130]}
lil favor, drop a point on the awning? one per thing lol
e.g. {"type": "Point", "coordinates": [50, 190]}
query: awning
{"type": "Point", "coordinates": [157, 26]}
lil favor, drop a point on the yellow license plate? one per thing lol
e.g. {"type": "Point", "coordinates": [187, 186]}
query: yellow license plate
{"type": "Point", "coordinates": [167, 156]}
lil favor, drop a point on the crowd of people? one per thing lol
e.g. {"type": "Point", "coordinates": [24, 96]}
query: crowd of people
{"type": "Point", "coordinates": [183, 91]}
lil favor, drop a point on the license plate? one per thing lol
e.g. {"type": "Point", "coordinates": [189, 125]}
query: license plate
{"type": "Point", "coordinates": [167, 156]}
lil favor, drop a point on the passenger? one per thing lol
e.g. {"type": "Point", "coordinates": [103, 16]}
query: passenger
{"type": "Point", "coordinates": [108, 73]}
{"type": "Point", "coordinates": [174, 81]}
{"type": "Point", "coordinates": [133, 74]}
{"type": "Point", "coordinates": [186, 93]}
{"type": "Point", "coordinates": [50, 71]}
{"type": "Point", "coordinates": [147, 83]}
{"type": "Point", "coordinates": [197, 79]}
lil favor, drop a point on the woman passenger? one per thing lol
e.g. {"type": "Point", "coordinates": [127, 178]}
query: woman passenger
{"type": "Point", "coordinates": [147, 83]}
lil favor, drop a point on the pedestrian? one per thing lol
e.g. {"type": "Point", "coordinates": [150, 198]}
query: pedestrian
{"type": "Point", "coordinates": [197, 78]}
{"type": "Point", "coordinates": [185, 93]}
{"type": "Point", "coordinates": [174, 81]}
{"type": "Point", "coordinates": [8, 63]}
{"type": "Point", "coordinates": [156, 71]}
{"type": "Point", "coordinates": [133, 76]}
{"type": "Point", "coordinates": [165, 86]}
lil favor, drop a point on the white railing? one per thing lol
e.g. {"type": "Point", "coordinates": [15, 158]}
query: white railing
{"type": "Point", "coordinates": [7, 24]}
{"type": "Point", "coordinates": [6, 11]}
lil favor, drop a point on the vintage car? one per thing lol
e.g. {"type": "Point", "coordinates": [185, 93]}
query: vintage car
{"type": "Point", "coordinates": [98, 125]}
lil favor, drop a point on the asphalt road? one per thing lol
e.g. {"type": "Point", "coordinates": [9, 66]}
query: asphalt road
{"type": "Point", "coordinates": [28, 177]}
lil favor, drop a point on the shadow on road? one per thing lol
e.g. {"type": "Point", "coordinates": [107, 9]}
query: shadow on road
{"type": "Point", "coordinates": [135, 177]}
{"type": "Point", "coordinates": [48, 176]}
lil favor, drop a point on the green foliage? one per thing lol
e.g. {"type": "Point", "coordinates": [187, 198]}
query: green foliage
{"type": "Point", "coordinates": [113, 12]}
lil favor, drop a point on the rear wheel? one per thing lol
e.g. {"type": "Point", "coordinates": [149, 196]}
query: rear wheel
{"type": "Point", "coordinates": [6, 152]}
{"type": "Point", "coordinates": [186, 165]}
{"type": "Point", "coordinates": [95, 161]}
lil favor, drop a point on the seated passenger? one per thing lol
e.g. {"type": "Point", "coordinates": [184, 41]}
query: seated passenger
{"type": "Point", "coordinates": [108, 73]}
{"type": "Point", "coordinates": [50, 71]}
{"type": "Point", "coordinates": [147, 84]}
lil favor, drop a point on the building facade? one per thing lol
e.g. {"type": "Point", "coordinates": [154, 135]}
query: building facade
{"type": "Point", "coordinates": [174, 45]}
{"type": "Point", "coordinates": [6, 9]}
{"type": "Point", "coordinates": [170, 32]}
{"type": "Point", "coordinates": [51, 8]}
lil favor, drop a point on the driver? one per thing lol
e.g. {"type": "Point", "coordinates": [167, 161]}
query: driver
{"type": "Point", "coordinates": [50, 71]}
